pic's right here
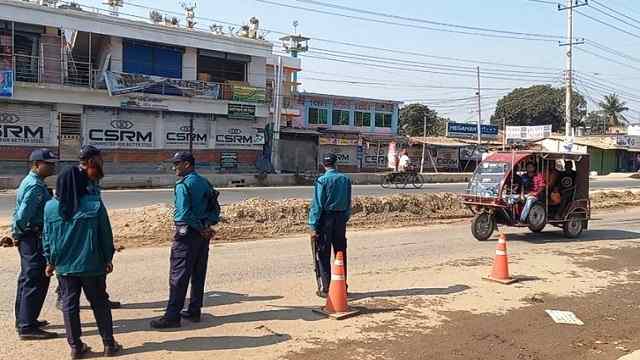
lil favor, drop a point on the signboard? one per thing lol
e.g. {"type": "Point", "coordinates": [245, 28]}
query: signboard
{"type": "Point", "coordinates": [528, 132]}
{"type": "Point", "coordinates": [25, 125]}
{"type": "Point", "coordinates": [143, 102]}
{"type": "Point", "coordinates": [237, 134]}
{"type": "Point", "coordinates": [121, 129]}
{"type": "Point", "coordinates": [249, 94]}
{"type": "Point", "coordinates": [628, 141]}
{"type": "Point", "coordinates": [229, 160]}
{"type": "Point", "coordinates": [337, 141]}
{"type": "Point", "coordinates": [241, 111]}
{"type": "Point", "coordinates": [6, 83]}
{"type": "Point", "coordinates": [124, 83]}
{"type": "Point", "coordinates": [177, 131]}
{"type": "Point", "coordinates": [471, 153]}
{"type": "Point", "coordinates": [346, 155]}
{"type": "Point", "coordinates": [447, 158]}
{"type": "Point", "coordinates": [470, 131]}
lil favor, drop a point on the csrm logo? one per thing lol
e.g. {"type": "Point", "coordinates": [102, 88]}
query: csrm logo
{"type": "Point", "coordinates": [121, 124]}
{"type": "Point", "coordinates": [234, 131]}
{"type": "Point", "coordinates": [8, 118]}
{"type": "Point", "coordinates": [185, 128]}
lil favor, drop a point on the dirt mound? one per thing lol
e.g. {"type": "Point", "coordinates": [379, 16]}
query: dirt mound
{"type": "Point", "coordinates": [610, 199]}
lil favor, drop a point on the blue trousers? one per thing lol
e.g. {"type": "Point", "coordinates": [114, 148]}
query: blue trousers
{"type": "Point", "coordinates": [188, 263]}
{"type": "Point", "coordinates": [33, 284]}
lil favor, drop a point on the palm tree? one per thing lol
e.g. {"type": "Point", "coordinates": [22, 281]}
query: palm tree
{"type": "Point", "coordinates": [613, 107]}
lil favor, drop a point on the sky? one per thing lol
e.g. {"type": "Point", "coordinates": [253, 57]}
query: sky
{"type": "Point", "coordinates": [440, 69]}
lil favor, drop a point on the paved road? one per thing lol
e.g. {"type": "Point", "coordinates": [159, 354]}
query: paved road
{"type": "Point", "coordinates": [260, 293]}
{"type": "Point", "coordinates": [122, 199]}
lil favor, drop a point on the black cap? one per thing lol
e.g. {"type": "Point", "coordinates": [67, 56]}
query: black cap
{"type": "Point", "coordinates": [89, 151]}
{"type": "Point", "coordinates": [43, 155]}
{"type": "Point", "coordinates": [329, 159]}
{"type": "Point", "coordinates": [183, 156]}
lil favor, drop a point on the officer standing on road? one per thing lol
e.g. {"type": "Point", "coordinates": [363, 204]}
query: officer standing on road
{"type": "Point", "coordinates": [27, 225]}
{"type": "Point", "coordinates": [328, 216]}
{"type": "Point", "coordinates": [196, 211]}
{"type": "Point", "coordinates": [90, 167]}
{"type": "Point", "coordinates": [78, 246]}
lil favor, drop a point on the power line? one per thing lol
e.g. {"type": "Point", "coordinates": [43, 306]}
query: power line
{"type": "Point", "coordinates": [363, 11]}
{"type": "Point", "coordinates": [611, 51]}
{"type": "Point", "coordinates": [614, 17]}
{"type": "Point", "coordinates": [615, 11]}
{"type": "Point", "coordinates": [607, 24]}
{"type": "Point", "coordinates": [607, 59]}
{"type": "Point", "coordinates": [404, 24]}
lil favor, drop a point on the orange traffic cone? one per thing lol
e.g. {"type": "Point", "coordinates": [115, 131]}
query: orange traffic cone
{"type": "Point", "coordinates": [500, 271]}
{"type": "Point", "coordinates": [337, 307]}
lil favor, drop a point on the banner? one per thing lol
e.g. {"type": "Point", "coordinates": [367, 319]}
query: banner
{"type": "Point", "coordinates": [470, 131]}
{"type": "Point", "coordinates": [124, 83]}
{"type": "Point", "coordinates": [25, 125]}
{"type": "Point", "coordinates": [6, 83]}
{"type": "Point", "coordinates": [241, 111]}
{"type": "Point", "coordinates": [249, 94]}
{"type": "Point", "coordinates": [177, 131]}
{"type": "Point", "coordinates": [237, 135]}
{"type": "Point", "coordinates": [337, 141]}
{"type": "Point", "coordinates": [447, 158]}
{"type": "Point", "coordinates": [528, 132]}
{"type": "Point", "coordinates": [120, 129]}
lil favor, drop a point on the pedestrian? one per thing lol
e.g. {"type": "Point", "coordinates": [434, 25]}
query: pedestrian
{"type": "Point", "coordinates": [27, 226]}
{"type": "Point", "coordinates": [328, 216]}
{"type": "Point", "coordinates": [91, 167]}
{"type": "Point", "coordinates": [196, 211]}
{"type": "Point", "coordinates": [78, 246]}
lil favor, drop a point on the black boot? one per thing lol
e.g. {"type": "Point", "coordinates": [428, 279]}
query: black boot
{"type": "Point", "coordinates": [164, 323]}
{"type": "Point", "coordinates": [193, 317]}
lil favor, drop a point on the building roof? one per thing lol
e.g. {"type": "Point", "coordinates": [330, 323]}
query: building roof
{"type": "Point", "coordinates": [351, 98]}
{"type": "Point", "coordinates": [446, 141]}
{"type": "Point", "coordinates": [599, 142]}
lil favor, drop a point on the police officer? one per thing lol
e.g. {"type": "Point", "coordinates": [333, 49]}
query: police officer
{"type": "Point", "coordinates": [194, 222]}
{"type": "Point", "coordinates": [27, 231]}
{"type": "Point", "coordinates": [78, 246]}
{"type": "Point", "coordinates": [91, 166]}
{"type": "Point", "coordinates": [328, 216]}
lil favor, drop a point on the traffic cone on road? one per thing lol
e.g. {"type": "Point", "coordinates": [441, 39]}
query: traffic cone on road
{"type": "Point", "coordinates": [336, 306]}
{"type": "Point", "coordinates": [500, 271]}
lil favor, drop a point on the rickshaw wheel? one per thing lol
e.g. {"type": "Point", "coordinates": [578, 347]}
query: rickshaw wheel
{"type": "Point", "coordinates": [482, 226]}
{"type": "Point", "coordinates": [537, 218]}
{"type": "Point", "coordinates": [573, 227]}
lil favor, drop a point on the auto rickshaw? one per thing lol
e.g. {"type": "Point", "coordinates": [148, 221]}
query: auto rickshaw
{"type": "Point", "coordinates": [500, 186]}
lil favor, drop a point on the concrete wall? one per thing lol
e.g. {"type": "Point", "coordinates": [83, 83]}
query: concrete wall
{"type": "Point", "coordinates": [190, 64]}
{"type": "Point", "coordinates": [257, 71]}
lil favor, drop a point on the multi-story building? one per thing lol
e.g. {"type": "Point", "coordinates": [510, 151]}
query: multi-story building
{"type": "Point", "coordinates": [141, 90]}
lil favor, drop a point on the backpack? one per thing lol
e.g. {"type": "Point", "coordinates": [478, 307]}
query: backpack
{"type": "Point", "coordinates": [212, 209]}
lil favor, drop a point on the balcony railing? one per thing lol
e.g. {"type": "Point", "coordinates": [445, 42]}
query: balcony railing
{"type": "Point", "coordinates": [38, 70]}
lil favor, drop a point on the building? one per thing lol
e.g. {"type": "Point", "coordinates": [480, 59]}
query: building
{"type": "Point", "coordinates": [140, 90]}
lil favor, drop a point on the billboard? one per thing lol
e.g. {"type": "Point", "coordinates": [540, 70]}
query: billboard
{"type": "Point", "coordinates": [470, 131]}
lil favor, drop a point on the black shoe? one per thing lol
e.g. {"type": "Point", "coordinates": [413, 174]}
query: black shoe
{"type": "Point", "coordinates": [112, 350]}
{"type": "Point", "coordinates": [322, 294]}
{"type": "Point", "coordinates": [36, 334]}
{"type": "Point", "coordinates": [115, 304]}
{"type": "Point", "coordinates": [164, 323]}
{"type": "Point", "coordinates": [39, 324]}
{"type": "Point", "coordinates": [80, 353]}
{"type": "Point", "coordinates": [193, 317]}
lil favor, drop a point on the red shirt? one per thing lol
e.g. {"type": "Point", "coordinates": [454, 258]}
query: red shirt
{"type": "Point", "coordinates": [538, 184]}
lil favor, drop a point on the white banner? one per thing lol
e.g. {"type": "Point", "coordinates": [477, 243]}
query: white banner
{"type": "Point", "coordinates": [120, 129]}
{"type": "Point", "coordinates": [528, 132]}
{"type": "Point", "coordinates": [237, 134]}
{"type": "Point", "coordinates": [177, 131]}
{"type": "Point", "coordinates": [25, 125]}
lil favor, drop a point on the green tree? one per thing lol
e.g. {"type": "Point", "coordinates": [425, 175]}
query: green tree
{"type": "Point", "coordinates": [613, 107]}
{"type": "Point", "coordinates": [538, 105]}
{"type": "Point", "coordinates": [596, 122]}
{"type": "Point", "coordinates": [412, 121]}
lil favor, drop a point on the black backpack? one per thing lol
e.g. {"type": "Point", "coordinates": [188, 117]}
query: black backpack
{"type": "Point", "coordinates": [213, 205]}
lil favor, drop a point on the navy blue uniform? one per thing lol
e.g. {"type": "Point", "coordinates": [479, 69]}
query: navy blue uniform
{"type": "Point", "coordinates": [328, 216]}
{"type": "Point", "coordinates": [27, 225]}
{"type": "Point", "coordinates": [189, 250]}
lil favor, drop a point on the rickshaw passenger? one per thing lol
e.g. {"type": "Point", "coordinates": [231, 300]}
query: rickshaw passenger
{"type": "Point", "coordinates": [404, 162]}
{"type": "Point", "coordinates": [537, 187]}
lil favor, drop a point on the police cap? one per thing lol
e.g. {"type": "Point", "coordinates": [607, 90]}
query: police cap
{"type": "Point", "coordinates": [329, 159]}
{"type": "Point", "coordinates": [183, 156]}
{"type": "Point", "coordinates": [43, 155]}
{"type": "Point", "coordinates": [89, 151]}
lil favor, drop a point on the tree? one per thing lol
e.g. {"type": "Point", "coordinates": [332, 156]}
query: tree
{"type": "Point", "coordinates": [412, 121]}
{"type": "Point", "coordinates": [613, 107]}
{"type": "Point", "coordinates": [538, 105]}
{"type": "Point", "coordinates": [596, 122]}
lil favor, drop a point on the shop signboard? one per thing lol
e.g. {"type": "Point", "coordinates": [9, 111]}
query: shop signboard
{"type": "Point", "coordinates": [337, 141]}
{"type": "Point", "coordinates": [19, 129]}
{"type": "Point", "coordinates": [6, 83]}
{"type": "Point", "coordinates": [124, 83]}
{"type": "Point", "coordinates": [241, 112]}
{"type": "Point", "coordinates": [528, 133]}
{"type": "Point", "coordinates": [470, 131]}
{"type": "Point", "coordinates": [237, 135]}
{"type": "Point", "coordinates": [177, 131]}
{"type": "Point", "coordinates": [229, 160]}
{"type": "Point", "coordinates": [447, 158]}
{"type": "Point", "coordinates": [249, 94]}
{"type": "Point", "coordinates": [120, 129]}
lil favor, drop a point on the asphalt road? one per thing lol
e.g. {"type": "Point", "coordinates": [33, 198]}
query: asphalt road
{"type": "Point", "coordinates": [260, 293]}
{"type": "Point", "coordinates": [123, 199]}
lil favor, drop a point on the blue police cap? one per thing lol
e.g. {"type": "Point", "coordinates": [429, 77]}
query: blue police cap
{"type": "Point", "coordinates": [183, 156]}
{"type": "Point", "coordinates": [43, 155]}
{"type": "Point", "coordinates": [329, 159]}
{"type": "Point", "coordinates": [89, 151]}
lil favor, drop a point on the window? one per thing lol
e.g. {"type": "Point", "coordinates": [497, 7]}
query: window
{"type": "Point", "coordinates": [383, 120]}
{"type": "Point", "coordinates": [362, 119]}
{"type": "Point", "coordinates": [318, 116]}
{"type": "Point", "coordinates": [152, 59]}
{"type": "Point", "coordinates": [340, 117]}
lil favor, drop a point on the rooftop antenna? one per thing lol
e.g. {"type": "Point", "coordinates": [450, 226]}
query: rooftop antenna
{"type": "Point", "coordinates": [114, 5]}
{"type": "Point", "coordinates": [190, 14]}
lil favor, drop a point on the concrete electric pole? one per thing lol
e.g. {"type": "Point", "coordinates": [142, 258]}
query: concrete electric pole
{"type": "Point", "coordinates": [479, 109]}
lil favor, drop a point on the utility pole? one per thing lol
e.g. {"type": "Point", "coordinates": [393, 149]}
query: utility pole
{"type": "Point", "coordinates": [275, 156]}
{"type": "Point", "coordinates": [479, 109]}
{"type": "Point", "coordinates": [570, 5]}
{"type": "Point", "coordinates": [424, 145]}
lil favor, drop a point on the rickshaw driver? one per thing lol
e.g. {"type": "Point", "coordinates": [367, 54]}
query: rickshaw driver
{"type": "Point", "coordinates": [537, 186]}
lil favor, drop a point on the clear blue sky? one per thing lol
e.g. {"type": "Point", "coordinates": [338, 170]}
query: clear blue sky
{"type": "Point", "coordinates": [512, 15]}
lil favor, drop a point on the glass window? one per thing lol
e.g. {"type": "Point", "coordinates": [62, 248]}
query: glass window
{"type": "Point", "coordinates": [340, 117]}
{"type": "Point", "coordinates": [362, 119]}
{"type": "Point", "coordinates": [383, 120]}
{"type": "Point", "coordinates": [318, 116]}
